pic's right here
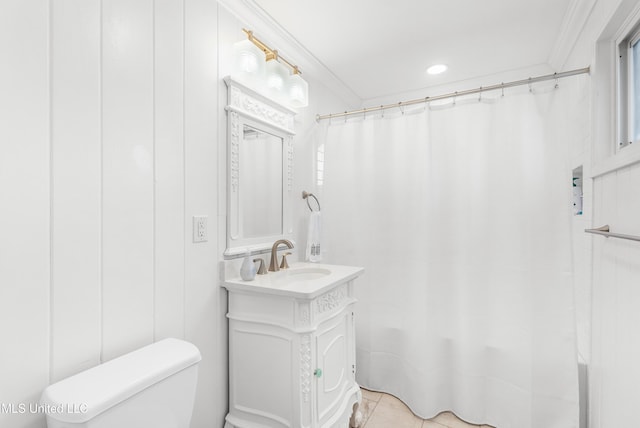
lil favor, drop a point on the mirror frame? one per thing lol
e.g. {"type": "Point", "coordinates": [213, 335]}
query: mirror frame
{"type": "Point", "coordinates": [246, 106]}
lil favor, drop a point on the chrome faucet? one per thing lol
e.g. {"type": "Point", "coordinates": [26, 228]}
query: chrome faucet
{"type": "Point", "coordinates": [273, 265]}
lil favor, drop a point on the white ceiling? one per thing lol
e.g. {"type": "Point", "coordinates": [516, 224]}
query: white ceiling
{"type": "Point", "coordinates": [383, 47]}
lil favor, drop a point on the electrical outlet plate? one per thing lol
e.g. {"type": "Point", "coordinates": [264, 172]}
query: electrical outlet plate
{"type": "Point", "coordinates": [199, 228]}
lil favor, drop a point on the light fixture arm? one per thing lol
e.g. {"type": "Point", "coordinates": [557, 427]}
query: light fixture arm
{"type": "Point", "coordinates": [270, 54]}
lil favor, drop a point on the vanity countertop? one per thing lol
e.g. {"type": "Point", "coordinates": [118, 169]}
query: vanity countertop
{"type": "Point", "coordinates": [301, 280]}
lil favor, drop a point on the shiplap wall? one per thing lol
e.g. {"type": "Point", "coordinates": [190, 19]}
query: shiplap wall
{"type": "Point", "coordinates": [616, 298]}
{"type": "Point", "coordinates": [611, 273]}
{"type": "Point", "coordinates": [24, 205]}
{"type": "Point", "coordinates": [108, 146]}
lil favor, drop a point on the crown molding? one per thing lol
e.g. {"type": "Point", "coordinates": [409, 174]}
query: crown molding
{"type": "Point", "coordinates": [273, 34]}
{"type": "Point", "coordinates": [573, 23]}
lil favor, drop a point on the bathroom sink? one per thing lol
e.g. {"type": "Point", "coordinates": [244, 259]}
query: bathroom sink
{"type": "Point", "coordinates": [305, 274]}
{"type": "Point", "coordinates": [300, 280]}
{"type": "Point", "coordinates": [297, 276]}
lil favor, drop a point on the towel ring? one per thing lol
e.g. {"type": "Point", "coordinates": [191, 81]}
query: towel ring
{"type": "Point", "coordinates": [305, 195]}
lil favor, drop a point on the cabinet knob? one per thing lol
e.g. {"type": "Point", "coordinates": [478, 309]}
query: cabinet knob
{"type": "Point", "coordinates": [317, 373]}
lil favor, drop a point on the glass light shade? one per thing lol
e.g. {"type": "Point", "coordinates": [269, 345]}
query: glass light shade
{"type": "Point", "coordinates": [277, 79]}
{"type": "Point", "coordinates": [249, 62]}
{"type": "Point", "coordinates": [298, 91]}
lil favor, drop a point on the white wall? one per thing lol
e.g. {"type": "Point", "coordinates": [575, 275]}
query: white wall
{"type": "Point", "coordinates": [25, 266]}
{"type": "Point", "coordinates": [112, 136]}
{"type": "Point", "coordinates": [108, 146]}
{"type": "Point", "coordinates": [615, 200]}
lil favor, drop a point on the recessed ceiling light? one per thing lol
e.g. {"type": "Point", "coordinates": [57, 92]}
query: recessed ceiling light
{"type": "Point", "coordinates": [437, 69]}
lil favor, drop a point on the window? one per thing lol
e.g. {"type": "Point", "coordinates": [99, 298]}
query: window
{"type": "Point", "coordinates": [615, 92]}
{"type": "Point", "coordinates": [629, 88]}
{"type": "Point", "coordinates": [320, 165]}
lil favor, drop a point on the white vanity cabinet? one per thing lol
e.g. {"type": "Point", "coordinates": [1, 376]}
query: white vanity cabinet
{"type": "Point", "coordinates": [292, 348]}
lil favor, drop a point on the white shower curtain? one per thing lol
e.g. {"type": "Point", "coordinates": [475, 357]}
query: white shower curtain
{"type": "Point", "coordinates": [461, 218]}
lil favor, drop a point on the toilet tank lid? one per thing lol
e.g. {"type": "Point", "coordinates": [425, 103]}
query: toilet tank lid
{"type": "Point", "coordinates": [85, 395]}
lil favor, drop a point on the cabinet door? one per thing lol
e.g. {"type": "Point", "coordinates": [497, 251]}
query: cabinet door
{"type": "Point", "coordinates": [334, 341]}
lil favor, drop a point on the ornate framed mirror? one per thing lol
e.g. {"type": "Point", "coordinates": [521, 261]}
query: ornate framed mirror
{"type": "Point", "coordinates": [259, 170]}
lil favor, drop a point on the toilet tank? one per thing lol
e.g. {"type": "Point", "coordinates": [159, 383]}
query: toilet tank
{"type": "Point", "coordinates": [153, 386]}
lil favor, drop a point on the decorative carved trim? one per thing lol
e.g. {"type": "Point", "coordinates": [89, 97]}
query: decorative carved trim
{"type": "Point", "coordinates": [235, 150]}
{"type": "Point", "coordinates": [236, 96]}
{"type": "Point", "coordinates": [289, 163]}
{"type": "Point", "coordinates": [330, 300]}
{"type": "Point", "coordinates": [305, 314]}
{"type": "Point", "coordinates": [261, 110]}
{"type": "Point", "coordinates": [305, 367]}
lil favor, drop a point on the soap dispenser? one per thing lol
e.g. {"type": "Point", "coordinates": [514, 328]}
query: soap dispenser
{"type": "Point", "coordinates": [248, 268]}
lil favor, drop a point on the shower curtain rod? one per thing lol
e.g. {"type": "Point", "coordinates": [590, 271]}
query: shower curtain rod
{"type": "Point", "coordinates": [481, 89]}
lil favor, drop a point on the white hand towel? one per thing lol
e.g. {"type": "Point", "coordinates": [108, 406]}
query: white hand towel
{"type": "Point", "coordinates": [313, 237]}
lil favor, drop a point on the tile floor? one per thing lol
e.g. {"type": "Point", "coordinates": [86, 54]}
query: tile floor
{"type": "Point", "coordinates": [386, 411]}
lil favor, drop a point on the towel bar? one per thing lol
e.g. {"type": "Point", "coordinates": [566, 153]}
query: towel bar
{"type": "Point", "coordinates": [305, 195]}
{"type": "Point", "coordinates": [604, 231]}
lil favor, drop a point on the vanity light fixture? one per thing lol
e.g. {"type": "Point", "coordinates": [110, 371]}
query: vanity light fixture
{"type": "Point", "coordinates": [277, 76]}
{"type": "Point", "coordinates": [249, 62]}
{"type": "Point", "coordinates": [298, 89]}
{"type": "Point", "coordinates": [265, 70]}
{"type": "Point", "coordinates": [437, 69]}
